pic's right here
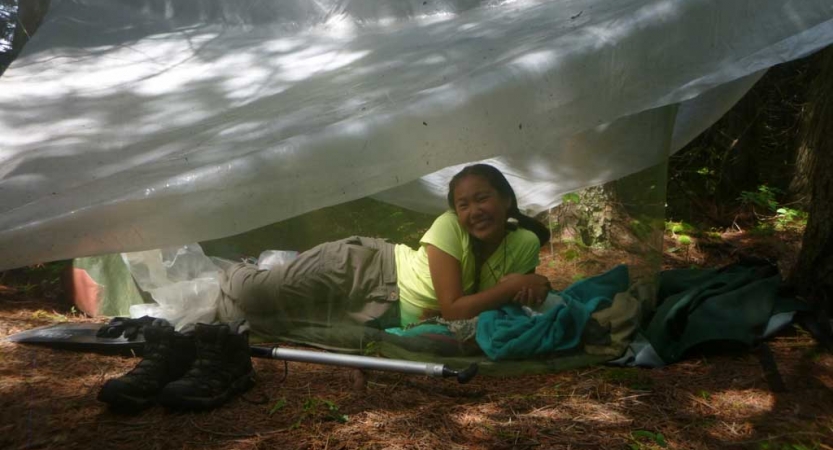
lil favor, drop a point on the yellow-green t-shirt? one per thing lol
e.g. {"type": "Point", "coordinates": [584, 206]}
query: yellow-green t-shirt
{"type": "Point", "coordinates": [518, 253]}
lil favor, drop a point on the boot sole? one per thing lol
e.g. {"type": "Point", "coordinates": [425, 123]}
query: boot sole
{"type": "Point", "coordinates": [238, 386]}
{"type": "Point", "coordinates": [125, 403]}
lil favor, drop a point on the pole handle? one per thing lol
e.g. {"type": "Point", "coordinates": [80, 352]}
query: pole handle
{"type": "Point", "coordinates": [463, 376]}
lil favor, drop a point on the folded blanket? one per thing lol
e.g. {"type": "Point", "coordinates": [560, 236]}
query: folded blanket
{"type": "Point", "coordinates": [512, 333]}
{"type": "Point", "coordinates": [731, 304]}
{"type": "Point", "coordinates": [615, 326]}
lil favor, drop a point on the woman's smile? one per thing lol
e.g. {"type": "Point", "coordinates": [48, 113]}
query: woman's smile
{"type": "Point", "coordinates": [481, 223]}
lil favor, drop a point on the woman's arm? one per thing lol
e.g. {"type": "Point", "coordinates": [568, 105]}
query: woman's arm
{"type": "Point", "coordinates": [447, 277]}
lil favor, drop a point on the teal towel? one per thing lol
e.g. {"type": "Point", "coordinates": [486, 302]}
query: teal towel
{"type": "Point", "coordinates": [420, 330]}
{"type": "Point", "coordinates": [511, 333]}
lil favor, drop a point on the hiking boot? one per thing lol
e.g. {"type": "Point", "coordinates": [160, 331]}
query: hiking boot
{"type": "Point", "coordinates": [223, 369]}
{"type": "Point", "coordinates": [167, 356]}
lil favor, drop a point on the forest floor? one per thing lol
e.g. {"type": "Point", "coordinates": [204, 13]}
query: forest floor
{"type": "Point", "coordinates": [48, 397]}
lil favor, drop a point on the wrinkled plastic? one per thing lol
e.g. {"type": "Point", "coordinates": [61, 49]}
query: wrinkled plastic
{"type": "Point", "coordinates": [269, 259]}
{"type": "Point", "coordinates": [135, 125]}
{"type": "Point", "coordinates": [183, 281]}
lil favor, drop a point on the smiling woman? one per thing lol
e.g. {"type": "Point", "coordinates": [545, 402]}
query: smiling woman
{"type": "Point", "coordinates": [478, 256]}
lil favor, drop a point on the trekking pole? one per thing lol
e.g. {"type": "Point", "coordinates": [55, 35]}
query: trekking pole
{"type": "Point", "coordinates": [366, 362]}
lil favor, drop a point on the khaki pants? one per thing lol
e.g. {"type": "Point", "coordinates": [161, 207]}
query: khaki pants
{"type": "Point", "coordinates": [352, 280]}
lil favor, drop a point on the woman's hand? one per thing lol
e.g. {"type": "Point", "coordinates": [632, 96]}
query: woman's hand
{"type": "Point", "coordinates": [530, 296]}
{"type": "Point", "coordinates": [532, 288]}
{"type": "Point", "coordinates": [446, 275]}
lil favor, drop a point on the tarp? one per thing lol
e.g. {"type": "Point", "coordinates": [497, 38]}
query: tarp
{"type": "Point", "coordinates": [131, 125]}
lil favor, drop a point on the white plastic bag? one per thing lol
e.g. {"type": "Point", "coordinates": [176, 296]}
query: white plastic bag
{"type": "Point", "coordinates": [272, 258]}
{"type": "Point", "coordinates": [183, 281]}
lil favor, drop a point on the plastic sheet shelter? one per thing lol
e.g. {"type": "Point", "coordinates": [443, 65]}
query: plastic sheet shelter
{"type": "Point", "coordinates": [132, 125]}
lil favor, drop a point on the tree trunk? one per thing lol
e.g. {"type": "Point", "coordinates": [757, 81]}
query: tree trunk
{"type": "Point", "coordinates": [813, 275]}
{"type": "Point", "coordinates": [24, 18]}
{"type": "Point", "coordinates": [622, 214]}
{"type": "Point", "coordinates": [584, 216]}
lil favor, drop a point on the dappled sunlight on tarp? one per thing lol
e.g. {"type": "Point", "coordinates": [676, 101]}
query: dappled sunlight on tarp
{"type": "Point", "coordinates": [540, 178]}
{"type": "Point", "coordinates": [140, 125]}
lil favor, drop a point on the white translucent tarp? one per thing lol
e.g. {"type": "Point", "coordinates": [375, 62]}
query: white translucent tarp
{"type": "Point", "coordinates": [131, 125]}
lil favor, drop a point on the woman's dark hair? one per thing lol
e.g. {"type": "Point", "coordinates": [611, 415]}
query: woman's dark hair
{"type": "Point", "coordinates": [496, 179]}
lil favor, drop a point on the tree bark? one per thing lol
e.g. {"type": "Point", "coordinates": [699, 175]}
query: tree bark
{"type": "Point", "coordinates": [584, 216]}
{"type": "Point", "coordinates": [813, 275]}
{"type": "Point", "coordinates": [597, 217]}
{"type": "Point", "coordinates": [27, 16]}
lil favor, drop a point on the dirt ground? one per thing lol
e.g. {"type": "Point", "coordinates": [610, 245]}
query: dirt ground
{"type": "Point", "coordinates": [47, 397]}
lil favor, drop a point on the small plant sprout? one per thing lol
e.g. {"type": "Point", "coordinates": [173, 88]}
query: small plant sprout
{"type": "Point", "coordinates": [279, 405]}
{"type": "Point", "coordinates": [639, 436]}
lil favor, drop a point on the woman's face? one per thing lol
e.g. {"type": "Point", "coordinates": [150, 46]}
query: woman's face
{"type": "Point", "coordinates": [480, 209]}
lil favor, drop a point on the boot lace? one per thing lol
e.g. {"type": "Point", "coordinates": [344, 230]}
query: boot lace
{"type": "Point", "coordinates": [210, 368]}
{"type": "Point", "coordinates": [153, 363]}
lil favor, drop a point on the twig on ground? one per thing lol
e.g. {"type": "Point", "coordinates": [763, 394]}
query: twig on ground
{"type": "Point", "coordinates": [239, 435]}
{"type": "Point", "coordinates": [629, 397]}
{"type": "Point", "coordinates": [701, 402]}
{"type": "Point", "coordinates": [584, 374]}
